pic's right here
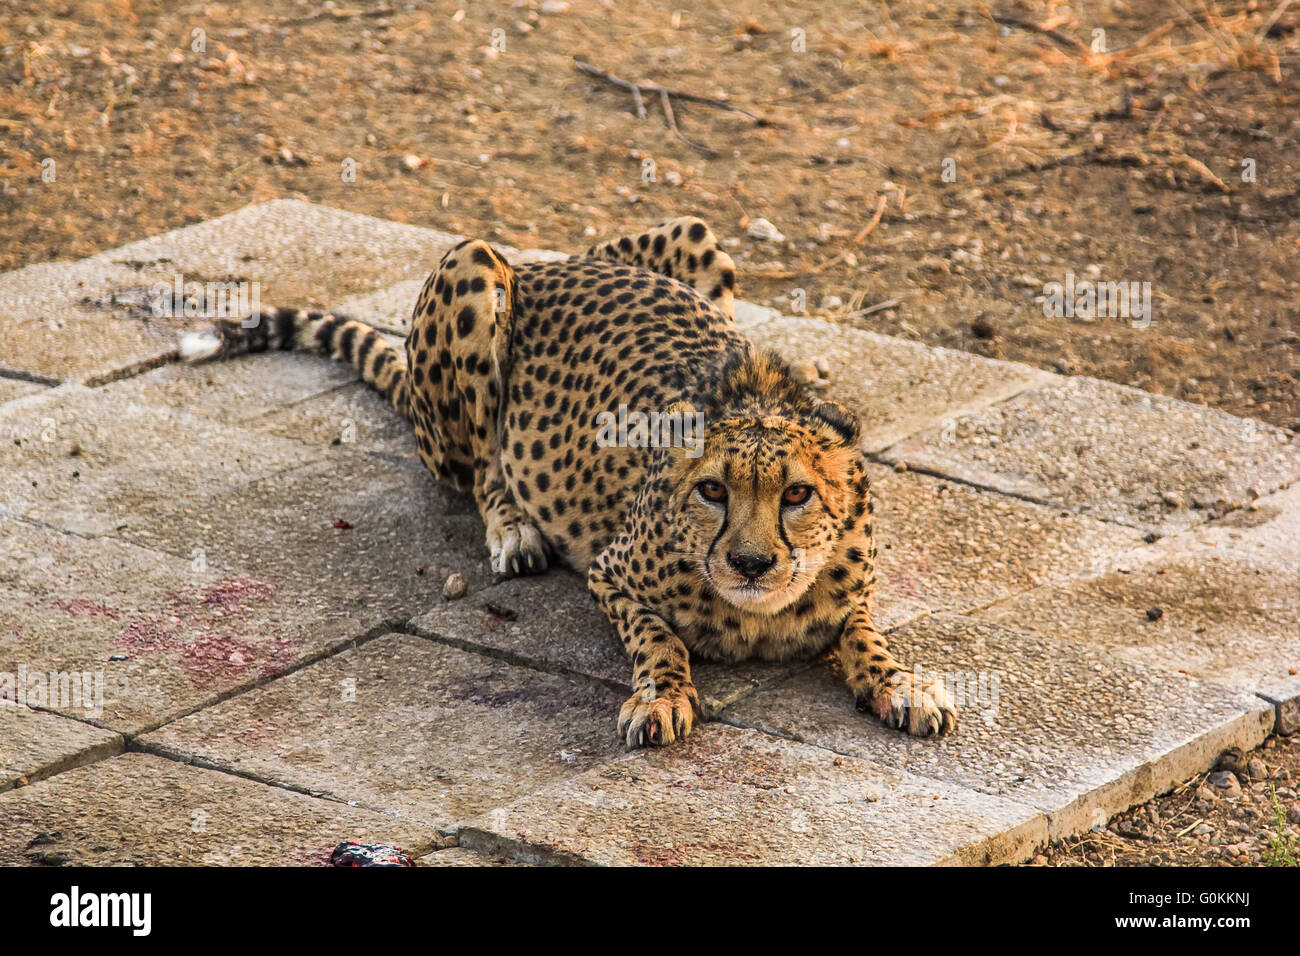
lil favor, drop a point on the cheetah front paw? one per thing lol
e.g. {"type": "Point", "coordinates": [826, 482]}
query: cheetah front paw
{"type": "Point", "coordinates": [655, 719]}
{"type": "Point", "coordinates": [922, 707]}
{"type": "Point", "coordinates": [517, 548]}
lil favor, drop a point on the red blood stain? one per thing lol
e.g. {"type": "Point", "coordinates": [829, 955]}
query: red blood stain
{"type": "Point", "coordinates": [197, 630]}
{"type": "Point", "coordinates": [80, 607]}
{"type": "Point", "coordinates": [234, 594]}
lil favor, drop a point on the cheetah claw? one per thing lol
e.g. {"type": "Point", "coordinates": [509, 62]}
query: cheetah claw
{"type": "Point", "coordinates": [658, 720]}
{"type": "Point", "coordinates": [905, 702]}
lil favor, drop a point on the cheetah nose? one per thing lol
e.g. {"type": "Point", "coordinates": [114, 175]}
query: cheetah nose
{"type": "Point", "coordinates": [751, 566]}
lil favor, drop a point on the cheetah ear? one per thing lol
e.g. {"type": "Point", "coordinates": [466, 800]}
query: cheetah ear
{"type": "Point", "coordinates": [842, 421]}
{"type": "Point", "coordinates": [682, 427]}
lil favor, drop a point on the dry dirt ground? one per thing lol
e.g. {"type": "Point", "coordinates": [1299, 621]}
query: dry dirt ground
{"type": "Point", "coordinates": [927, 167]}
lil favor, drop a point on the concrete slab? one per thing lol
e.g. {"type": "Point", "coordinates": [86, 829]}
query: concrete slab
{"type": "Point", "coordinates": [1268, 528]}
{"type": "Point", "coordinates": [1217, 601]}
{"type": "Point", "coordinates": [226, 591]}
{"type": "Point", "coordinates": [402, 534]}
{"type": "Point", "coordinates": [240, 390]}
{"type": "Point", "coordinates": [351, 415]}
{"type": "Point", "coordinates": [35, 745]}
{"type": "Point", "coordinates": [1221, 614]}
{"type": "Point", "coordinates": [557, 627]}
{"type": "Point", "coordinates": [296, 253]}
{"type": "Point", "coordinates": [945, 546]}
{"type": "Point", "coordinates": [92, 461]}
{"type": "Point", "coordinates": [11, 388]}
{"type": "Point", "coordinates": [408, 726]}
{"type": "Point", "coordinates": [288, 394]}
{"type": "Point", "coordinates": [460, 856]}
{"type": "Point", "coordinates": [300, 253]}
{"type": "Point", "coordinates": [1059, 726]}
{"type": "Point", "coordinates": [49, 312]}
{"type": "Point", "coordinates": [1112, 452]}
{"type": "Point", "coordinates": [731, 797]}
{"type": "Point", "coordinates": [897, 387]}
{"type": "Point", "coordinates": [141, 810]}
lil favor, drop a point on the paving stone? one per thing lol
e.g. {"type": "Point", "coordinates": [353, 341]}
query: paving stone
{"type": "Point", "coordinates": [1075, 731]}
{"type": "Point", "coordinates": [728, 797]}
{"type": "Point", "coordinates": [296, 253]}
{"type": "Point", "coordinates": [289, 394]}
{"type": "Point", "coordinates": [559, 627]}
{"type": "Point", "coordinates": [234, 588]}
{"type": "Point", "coordinates": [947, 547]}
{"type": "Point", "coordinates": [49, 312]}
{"type": "Point", "coordinates": [11, 388]}
{"type": "Point", "coordinates": [1113, 452]}
{"type": "Point", "coordinates": [93, 460]}
{"type": "Point", "coordinates": [460, 856]}
{"type": "Point", "coordinates": [432, 733]}
{"type": "Point", "coordinates": [388, 309]}
{"type": "Point", "coordinates": [352, 415]}
{"type": "Point", "coordinates": [1268, 527]}
{"type": "Point", "coordinates": [240, 390]}
{"type": "Point", "coordinates": [300, 253]}
{"type": "Point", "coordinates": [141, 810]}
{"type": "Point", "coordinates": [897, 387]}
{"type": "Point", "coordinates": [405, 532]}
{"type": "Point", "coordinates": [1222, 613]}
{"type": "Point", "coordinates": [35, 744]}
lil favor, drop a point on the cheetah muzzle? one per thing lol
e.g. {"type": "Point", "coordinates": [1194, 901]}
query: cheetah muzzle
{"type": "Point", "coordinates": [754, 542]}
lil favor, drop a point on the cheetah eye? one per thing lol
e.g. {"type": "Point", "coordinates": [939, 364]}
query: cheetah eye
{"type": "Point", "coordinates": [714, 491]}
{"type": "Point", "coordinates": [796, 494]}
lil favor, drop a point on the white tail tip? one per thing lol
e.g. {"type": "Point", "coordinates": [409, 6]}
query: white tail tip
{"type": "Point", "coordinates": [199, 346]}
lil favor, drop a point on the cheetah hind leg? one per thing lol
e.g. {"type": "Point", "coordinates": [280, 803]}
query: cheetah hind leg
{"type": "Point", "coordinates": [458, 351]}
{"type": "Point", "coordinates": [684, 249]}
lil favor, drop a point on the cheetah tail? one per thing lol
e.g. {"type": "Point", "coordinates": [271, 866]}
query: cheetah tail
{"type": "Point", "coordinates": [381, 365]}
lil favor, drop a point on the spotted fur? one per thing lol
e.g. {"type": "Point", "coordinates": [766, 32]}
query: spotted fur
{"type": "Point", "coordinates": [760, 546]}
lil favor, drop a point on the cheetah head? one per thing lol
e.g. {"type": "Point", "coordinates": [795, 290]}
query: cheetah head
{"type": "Point", "coordinates": [762, 507]}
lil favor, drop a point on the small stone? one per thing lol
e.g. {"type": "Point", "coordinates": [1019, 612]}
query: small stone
{"type": "Point", "coordinates": [554, 6]}
{"type": "Point", "coordinates": [1257, 769]}
{"type": "Point", "coordinates": [1154, 614]}
{"type": "Point", "coordinates": [455, 586]}
{"type": "Point", "coordinates": [762, 229]}
{"type": "Point", "coordinates": [1227, 782]}
{"type": "Point", "coordinates": [411, 161]}
{"type": "Point", "coordinates": [900, 466]}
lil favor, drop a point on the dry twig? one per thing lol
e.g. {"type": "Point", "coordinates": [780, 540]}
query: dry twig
{"type": "Point", "coordinates": [665, 99]}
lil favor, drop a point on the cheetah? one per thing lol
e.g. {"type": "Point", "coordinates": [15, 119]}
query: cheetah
{"type": "Point", "coordinates": [754, 542]}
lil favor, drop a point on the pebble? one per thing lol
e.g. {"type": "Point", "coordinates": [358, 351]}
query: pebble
{"type": "Point", "coordinates": [1227, 782]}
{"type": "Point", "coordinates": [762, 229]}
{"type": "Point", "coordinates": [1154, 614]}
{"type": "Point", "coordinates": [455, 586]}
{"type": "Point", "coordinates": [1257, 769]}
